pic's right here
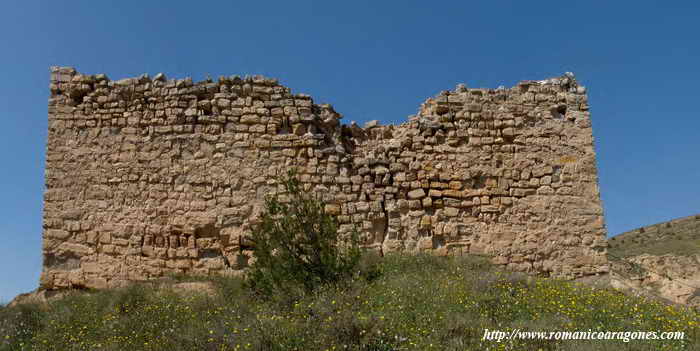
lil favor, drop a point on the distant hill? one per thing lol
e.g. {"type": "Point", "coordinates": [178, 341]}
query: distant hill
{"type": "Point", "coordinates": [680, 237]}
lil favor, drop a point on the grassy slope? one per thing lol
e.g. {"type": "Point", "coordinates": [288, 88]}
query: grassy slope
{"type": "Point", "coordinates": [416, 303]}
{"type": "Point", "coordinates": [678, 237]}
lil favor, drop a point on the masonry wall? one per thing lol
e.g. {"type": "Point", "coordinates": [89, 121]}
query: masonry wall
{"type": "Point", "coordinates": [151, 175]}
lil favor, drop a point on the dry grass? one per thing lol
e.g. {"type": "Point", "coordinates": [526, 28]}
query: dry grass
{"type": "Point", "coordinates": [678, 237]}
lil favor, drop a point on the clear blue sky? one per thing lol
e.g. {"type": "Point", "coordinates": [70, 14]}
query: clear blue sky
{"type": "Point", "coordinates": [372, 60]}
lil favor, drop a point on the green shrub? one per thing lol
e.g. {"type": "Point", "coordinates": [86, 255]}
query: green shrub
{"type": "Point", "coordinates": [128, 299]}
{"type": "Point", "coordinates": [297, 246]}
{"type": "Point", "coordinates": [369, 266]}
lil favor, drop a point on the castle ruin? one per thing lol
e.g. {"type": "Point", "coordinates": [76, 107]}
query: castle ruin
{"type": "Point", "coordinates": [150, 175]}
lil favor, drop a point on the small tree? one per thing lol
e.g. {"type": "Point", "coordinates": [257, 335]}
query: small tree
{"type": "Point", "coordinates": [297, 244]}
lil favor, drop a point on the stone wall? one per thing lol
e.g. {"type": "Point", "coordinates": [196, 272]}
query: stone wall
{"type": "Point", "coordinates": [151, 175]}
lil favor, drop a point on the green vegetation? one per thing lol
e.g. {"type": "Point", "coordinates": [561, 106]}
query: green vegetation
{"type": "Point", "coordinates": [297, 245]}
{"type": "Point", "coordinates": [413, 303]}
{"type": "Point", "coordinates": [679, 237]}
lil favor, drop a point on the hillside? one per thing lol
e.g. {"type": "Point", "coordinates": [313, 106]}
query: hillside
{"type": "Point", "coordinates": [661, 259]}
{"type": "Point", "coordinates": [408, 303]}
{"type": "Point", "coordinates": [680, 237]}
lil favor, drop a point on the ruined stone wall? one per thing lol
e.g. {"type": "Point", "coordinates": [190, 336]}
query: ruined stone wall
{"type": "Point", "coordinates": [149, 175]}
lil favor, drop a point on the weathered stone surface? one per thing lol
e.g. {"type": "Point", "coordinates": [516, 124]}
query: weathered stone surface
{"type": "Point", "coordinates": [37, 297]}
{"type": "Point", "coordinates": [672, 277]}
{"type": "Point", "coordinates": [661, 259]}
{"type": "Point", "coordinates": [416, 194]}
{"type": "Point", "coordinates": [150, 176]}
{"type": "Point", "coordinates": [44, 296]}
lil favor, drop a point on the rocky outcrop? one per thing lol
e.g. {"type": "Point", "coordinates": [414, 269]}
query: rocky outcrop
{"type": "Point", "coordinates": [45, 296]}
{"type": "Point", "coordinates": [675, 278]}
{"type": "Point", "coordinates": [39, 296]}
{"type": "Point", "coordinates": [149, 175]}
{"type": "Point", "coordinates": [662, 259]}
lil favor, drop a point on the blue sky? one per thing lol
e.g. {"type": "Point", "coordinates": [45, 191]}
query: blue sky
{"type": "Point", "coordinates": [372, 60]}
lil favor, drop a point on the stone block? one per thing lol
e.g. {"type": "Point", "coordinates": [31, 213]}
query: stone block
{"type": "Point", "coordinates": [57, 234]}
{"type": "Point", "coordinates": [450, 211]}
{"type": "Point", "coordinates": [425, 243]}
{"type": "Point", "coordinates": [250, 119]}
{"type": "Point", "coordinates": [332, 209]}
{"type": "Point", "coordinates": [416, 194]}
